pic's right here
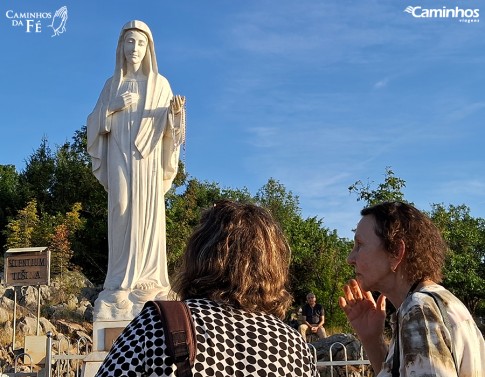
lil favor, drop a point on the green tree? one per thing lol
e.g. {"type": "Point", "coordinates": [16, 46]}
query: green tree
{"type": "Point", "coordinates": [37, 178]}
{"type": "Point", "coordinates": [60, 248]}
{"type": "Point", "coordinates": [319, 265]}
{"type": "Point", "coordinates": [389, 190]}
{"type": "Point", "coordinates": [465, 266]}
{"type": "Point", "coordinates": [28, 229]}
{"type": "Point", "coordinates": [57, 181]}
{"type": "Point", "coordinates": [318, 255]}
{"type": "Point", "coordinates": [73, 182]}
{"type": "Point", "coordinates": [20, 231]}
{"type": "Point", "coordinates": [9, 198]}
{"type": "Point", "coordinates": [283, 205]}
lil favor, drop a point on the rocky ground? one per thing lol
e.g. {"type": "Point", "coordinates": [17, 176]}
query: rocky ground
{"type": "Point", "coordinates": [66, 310]}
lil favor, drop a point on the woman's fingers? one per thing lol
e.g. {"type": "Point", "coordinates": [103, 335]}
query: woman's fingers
{"type": "Point", "coordinates": [353, 294]}
{"type": "Point", "coordinates": [356, 290]}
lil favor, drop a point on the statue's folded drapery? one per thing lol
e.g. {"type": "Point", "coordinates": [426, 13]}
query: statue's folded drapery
{"type": "Point", "coordinates": [135, 154]}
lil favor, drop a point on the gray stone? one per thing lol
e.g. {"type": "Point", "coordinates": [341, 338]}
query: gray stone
{"type": "Point", "coordinates": [336, 344]}
{"type": "Point", "coordinates": [90, 293]}
{"type": "Point", "coordinates": [46, 326]}
{"type": "Point", "coordinates": [10, 293]}
{"type": "Point", "coordinates": [4, 315]}
{"type": "Point", "coordinates": [72, 301]}
{"type": "Point", "coordinates": [89, 314]}
{"type": "Point", "coordinates": [7, 303]}
{"type": "Point", "coordinates": [351, 343]}
{"type": "Point", "coordinates": [27, 326]}
{"type": "Point", "coordinates": [68, 328]}
{"type": "Point", "coordinates": [85, 310]}
{"type": "Point", "coordinates": [45, 294]}
{"type": "Point", "coordinates": [29, 297]}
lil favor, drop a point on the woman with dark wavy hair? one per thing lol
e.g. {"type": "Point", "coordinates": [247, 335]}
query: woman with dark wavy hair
{"type": "Point", "coordinates": [234, 279]}
{"type": "Point", "coordinates": [399, 252]}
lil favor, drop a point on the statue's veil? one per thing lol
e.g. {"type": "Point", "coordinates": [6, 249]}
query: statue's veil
{"type": "Point", "coordinates": [149, 64]}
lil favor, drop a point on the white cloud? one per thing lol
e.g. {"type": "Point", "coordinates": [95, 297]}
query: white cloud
{"type": "Point", "coordinates": [381, 83]}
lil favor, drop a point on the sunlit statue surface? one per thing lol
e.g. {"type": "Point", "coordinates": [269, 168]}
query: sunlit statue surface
{"type": "Point", "coordinates": [134, 137]}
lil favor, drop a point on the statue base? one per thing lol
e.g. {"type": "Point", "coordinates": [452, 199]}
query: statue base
{"type": "Point", "coordinates": [92, 363]}
{"type": "Point", "coordinates": [113, 311]}
{"type": "Point", "coordinates": [125, 304]}
{"type": "Point", "coordinates": [105, 333]}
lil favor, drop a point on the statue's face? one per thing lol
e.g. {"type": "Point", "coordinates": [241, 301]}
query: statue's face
{"type": "Point", "coordinates": [135, 46]}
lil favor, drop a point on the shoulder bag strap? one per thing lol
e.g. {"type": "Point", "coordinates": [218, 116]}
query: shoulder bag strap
{"type": "Point", "coordinates": [179, 330]}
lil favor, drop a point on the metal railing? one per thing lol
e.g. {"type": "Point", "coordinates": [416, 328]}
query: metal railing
{"type": "Point", "coordinates": [61, 362]}
{"type": "Point", "coordinates": [331, 363]}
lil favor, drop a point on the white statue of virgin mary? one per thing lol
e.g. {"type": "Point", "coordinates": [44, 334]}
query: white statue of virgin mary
{"type": "Point", "coordinates": [134, 137]}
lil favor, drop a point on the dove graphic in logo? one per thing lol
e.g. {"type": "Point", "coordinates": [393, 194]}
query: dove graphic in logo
{"type": "Point", "coordinates": [410, 9]}
{"type": "Point", "coordinates": [59, 20]}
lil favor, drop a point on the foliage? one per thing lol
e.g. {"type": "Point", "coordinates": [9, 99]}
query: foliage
{"type": "Point", "coordinates": [60, 240]}
{"type": "Point", "coordinates": [36, 180]}
{"type": "Point", "coordinates": [9, 196]}
{"type": "Point", "coordinates": [60, 249]}
{"type": "Point", "coordinates": [283, 205]}
{"type": "Point", "coordinates": [20, 232]}
{"type": "Point", "coordinates": [465, 266]}
{"type": "Point", "coordinates": [29, 229]}
{"type": "Point", "coordinates": [57, 180]}
{"type": "Point", "coordinates": [318, 256]}
{"type": "Point", "coordinates": [57, 201]}
{"type": "Point", "coordinates": [319, 266]}
{"type": "Point", "coordinates": [389, 190]}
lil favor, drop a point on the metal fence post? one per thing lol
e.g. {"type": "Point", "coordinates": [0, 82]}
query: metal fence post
{"type": "Point", "coordinates": [14, 316]}
{"type": "Point", "coordinates": [48, 355]}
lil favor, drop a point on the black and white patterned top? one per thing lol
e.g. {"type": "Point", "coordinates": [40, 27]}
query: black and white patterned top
{"type": "Point", "coordinates": [230, 342]}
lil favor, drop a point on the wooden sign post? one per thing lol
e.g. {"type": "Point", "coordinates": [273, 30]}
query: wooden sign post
{"type": "Point", "coordinates": [23, 267]}
{"type": "Point", "coordinates": [27, 266]}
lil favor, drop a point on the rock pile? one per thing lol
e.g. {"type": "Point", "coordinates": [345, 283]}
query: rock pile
{"type": "Point", "coordinates": [66, 310]}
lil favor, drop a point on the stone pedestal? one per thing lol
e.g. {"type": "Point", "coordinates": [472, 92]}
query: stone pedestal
{"type": "Point", "coordinates": [113, 311]}
{"type": "Point", "coordinates": [104, 334]}
{"type": "Point", "coordinates": [92, 363]}
{"type": "Point", "coordinates": [125, 304]}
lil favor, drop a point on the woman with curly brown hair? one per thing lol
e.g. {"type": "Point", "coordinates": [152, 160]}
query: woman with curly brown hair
{"type": "Point", "coordinates": [400, 253]}
{"type": "Point", "coordinates": [234, 280]}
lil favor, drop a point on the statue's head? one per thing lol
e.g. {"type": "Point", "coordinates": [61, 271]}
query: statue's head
{"type": "Point", "coordinates": [135, 44]}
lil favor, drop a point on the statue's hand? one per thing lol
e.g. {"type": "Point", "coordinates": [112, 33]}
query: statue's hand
{"type": "Point", "coordinates": [177, 104]}
{"type": "Point", "coordinates": [125, 100]}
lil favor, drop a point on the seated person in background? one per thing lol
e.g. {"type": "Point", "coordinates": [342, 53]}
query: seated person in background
{"type": "Point", "coordinates": [313, 318]}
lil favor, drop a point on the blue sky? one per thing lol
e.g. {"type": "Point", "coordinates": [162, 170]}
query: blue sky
{"type": "Point", "coordinates": [316, 94]}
